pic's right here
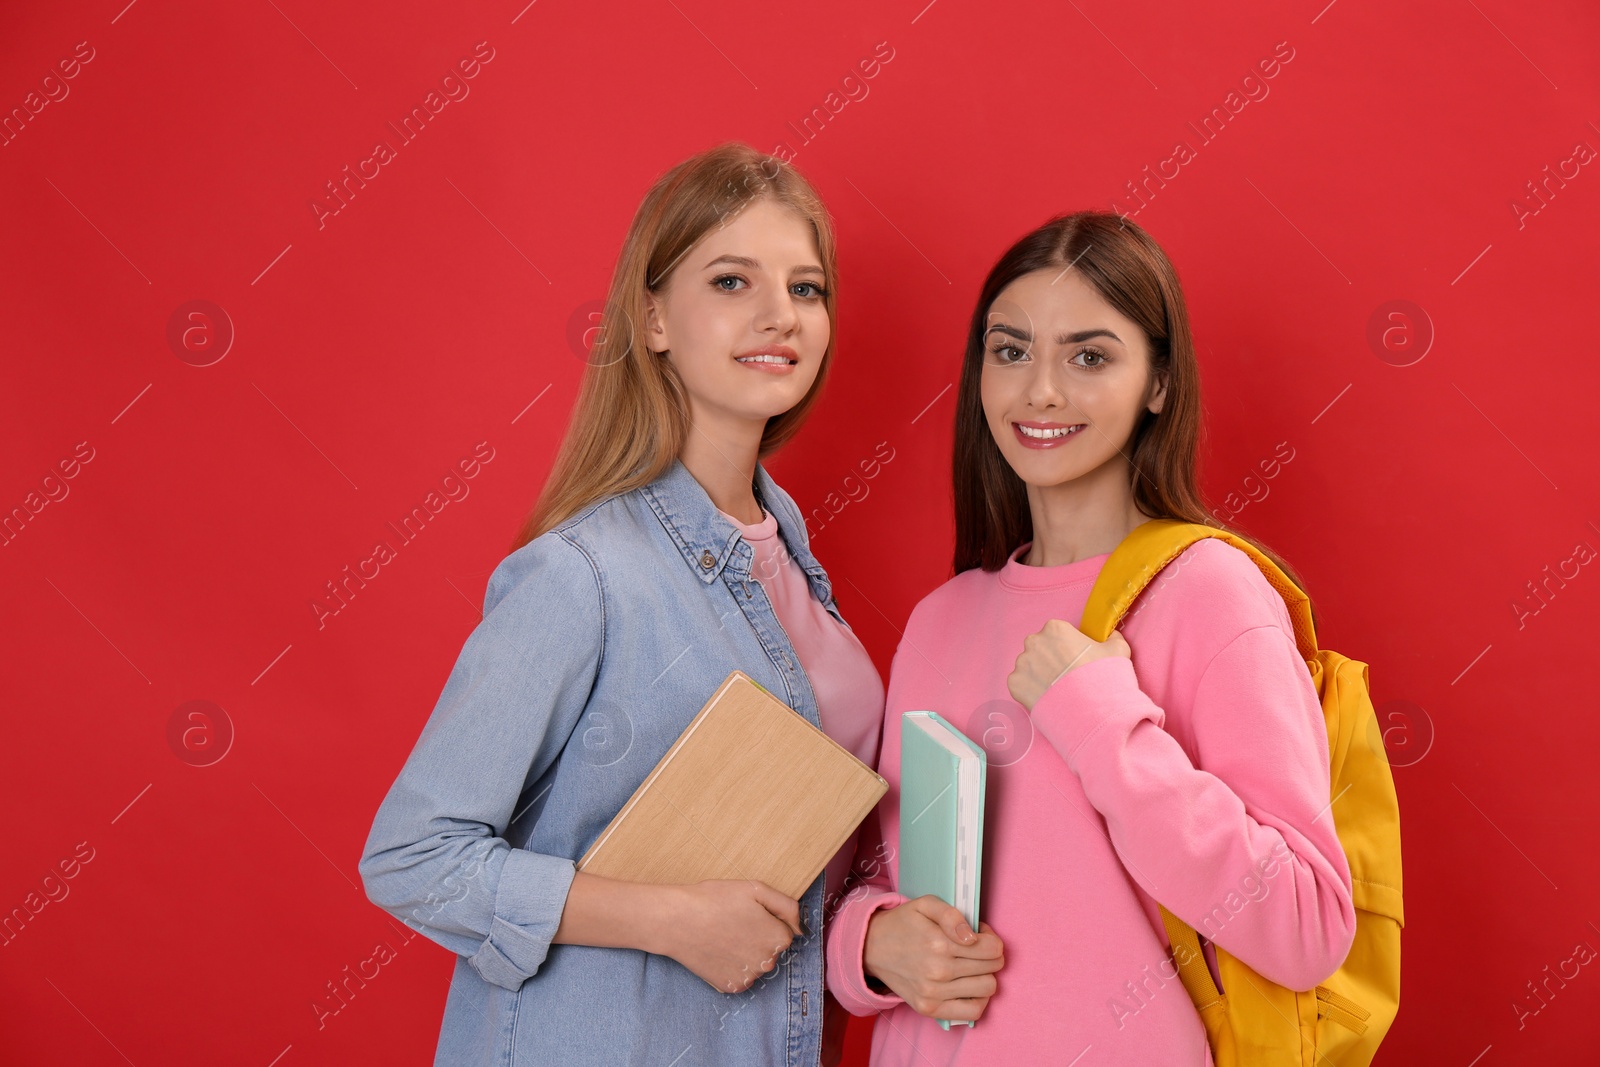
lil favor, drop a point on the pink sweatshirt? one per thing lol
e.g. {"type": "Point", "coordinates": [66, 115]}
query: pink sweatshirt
{"type": "Point", "coordinates": [1195, 774]}
{"type": "Point", "coordinates": [848, 689]}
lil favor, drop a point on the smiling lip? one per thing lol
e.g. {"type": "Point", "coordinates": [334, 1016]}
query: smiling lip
{"type": "Point", "coordinates": [770, 362]}
{"type": "Point", "coordinates": [1044, 442]}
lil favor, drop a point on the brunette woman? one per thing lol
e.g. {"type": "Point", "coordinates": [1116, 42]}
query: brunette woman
{"type": "Point", "coordinates": [1182, 761]}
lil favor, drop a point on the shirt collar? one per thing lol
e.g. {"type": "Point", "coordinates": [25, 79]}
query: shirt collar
{"type": "Point", "coordinates": [706, 540]}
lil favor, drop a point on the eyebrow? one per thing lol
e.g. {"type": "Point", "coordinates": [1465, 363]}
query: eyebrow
{"type": "Point", "coordinates": [1061, 338]}
{"type": "Point", "coordinates": [746, 261]}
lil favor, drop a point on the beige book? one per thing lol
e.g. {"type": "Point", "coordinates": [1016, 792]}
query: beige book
{"type": "Point", "coordinates": [749, 790]}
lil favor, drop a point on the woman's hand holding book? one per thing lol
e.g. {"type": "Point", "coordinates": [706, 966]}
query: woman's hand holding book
{"type": "Point", "coordinates": [925, 953]}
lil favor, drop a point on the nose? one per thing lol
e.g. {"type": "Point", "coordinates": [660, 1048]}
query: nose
{"type": "Point", "coordinates": [777, 312]}
{"type": "Point", "coordinates": [1043, 389]}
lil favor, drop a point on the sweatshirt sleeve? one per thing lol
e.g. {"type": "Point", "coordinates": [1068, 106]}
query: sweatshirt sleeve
{"type": "Point", "coordinates": [867, 888]}
{"type": "Point", "coordinates": [1242, 847]}
{"type": "Point", "coordinates": [436, 857]}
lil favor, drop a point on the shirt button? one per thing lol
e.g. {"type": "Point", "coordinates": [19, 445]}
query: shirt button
{"type": "Point", "coordinates": [707, 560]}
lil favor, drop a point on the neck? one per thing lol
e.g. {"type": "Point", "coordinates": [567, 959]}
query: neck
{"type": "Point", "coordinates": [721, 454]}
{"type": "Point", "coordinates": [1085, 517]}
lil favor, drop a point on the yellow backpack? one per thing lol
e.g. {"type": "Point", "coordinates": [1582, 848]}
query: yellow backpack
{"type": "Point", "coordinates": [1252, 1021]}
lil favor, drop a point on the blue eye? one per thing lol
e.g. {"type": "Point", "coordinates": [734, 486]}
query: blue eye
{"type": "Point", "coordinates": [719, 279]}
{"type": "Point", "coordinates": [816, 290]}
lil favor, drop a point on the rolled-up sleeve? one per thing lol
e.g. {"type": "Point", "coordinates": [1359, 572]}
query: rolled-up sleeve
{"type": "Point", "coordinates": [436, 857]}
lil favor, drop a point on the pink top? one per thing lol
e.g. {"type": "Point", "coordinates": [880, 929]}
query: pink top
{"type": "Point", "coordinates": [843, 678]}
{"type": "Point", "coordinates": [1195, 774]}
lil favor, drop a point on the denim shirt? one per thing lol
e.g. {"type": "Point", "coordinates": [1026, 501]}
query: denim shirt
{"type": "Point", "coordinates": [600, 641]}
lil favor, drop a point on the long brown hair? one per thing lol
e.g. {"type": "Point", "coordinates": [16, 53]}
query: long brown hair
{"type": "Point", "coordinates": [1129, 270]}
{"type": "Point", "coordinates": [631, 416]}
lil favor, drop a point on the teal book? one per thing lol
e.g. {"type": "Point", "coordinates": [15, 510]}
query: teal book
{"type": "Point", "coordinates": [942, 776]}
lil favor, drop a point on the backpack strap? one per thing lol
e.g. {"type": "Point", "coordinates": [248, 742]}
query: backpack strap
{"type": "Point", "coordinates": [1156, 543]}
{"type": "Point", "coordinates": [1133, 564]}
{"type": "Point", "coordinates": [1192, 969]}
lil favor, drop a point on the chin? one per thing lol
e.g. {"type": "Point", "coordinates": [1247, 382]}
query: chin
{"type": "Point", "coordinates": [1043, 472]}
{"type": "Point", "coordinates": [763, 412]}
{"type": "Point", "coordinates": [776, 400]}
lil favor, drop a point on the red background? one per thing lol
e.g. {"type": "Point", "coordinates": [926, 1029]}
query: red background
{"type": "Point", "coordinates": [372, 352]}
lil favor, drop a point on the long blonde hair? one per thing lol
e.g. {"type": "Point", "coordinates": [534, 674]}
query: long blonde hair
{"type": "Point", "coordinates": [631, 417]}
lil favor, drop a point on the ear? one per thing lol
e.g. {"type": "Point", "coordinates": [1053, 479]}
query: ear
{"type": "Point", "coordinates": [1160, 397]}
{"type": "Point", "coordinates": [655, 326]}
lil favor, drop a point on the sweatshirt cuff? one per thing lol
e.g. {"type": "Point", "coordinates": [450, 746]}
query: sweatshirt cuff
{"type": "Point", "coordinates": [528, 902]}
{"type": "Point", "coordinates": [845, 975]}
{"type": "Point", "coordinates": [1084, 701]}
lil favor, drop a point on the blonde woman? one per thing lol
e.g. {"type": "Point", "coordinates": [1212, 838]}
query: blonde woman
{"type": "Point", "coordinates": [659, 557]}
